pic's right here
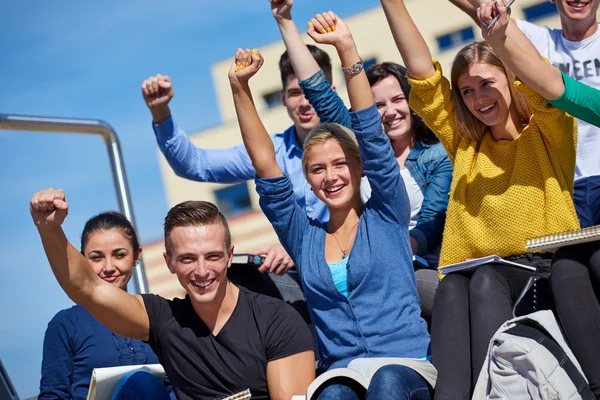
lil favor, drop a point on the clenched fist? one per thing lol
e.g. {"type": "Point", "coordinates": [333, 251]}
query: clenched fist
{"type": "Point", "coordinates": [158, 92]}
{"type": "Point", "coordinates": [245, 65]}
{"type": "Point", "coordinates": [281, 9]}
{"type": "Point", "coordinates": [48, 208]}
{"type": "Point", "coordinates": [328, 28]}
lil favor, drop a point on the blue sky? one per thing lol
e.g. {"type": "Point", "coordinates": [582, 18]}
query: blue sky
{"type": "Point", "coordinates": [80, 59]}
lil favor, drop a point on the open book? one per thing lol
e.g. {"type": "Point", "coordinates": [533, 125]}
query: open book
{"type": "Point", "coordinates": [361, 370]}
{"type": "Point", "coordinates": [105, 380]}
{"type": "Point", "coordinates": [553, 242]}
{"type": "Point", "coordinates": [476, 262]}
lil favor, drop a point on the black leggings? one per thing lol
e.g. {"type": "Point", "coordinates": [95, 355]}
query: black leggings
{"type": "Point", "coordinates": [575, 283]}
{"type": "Point", "coordinates": [467, 311]}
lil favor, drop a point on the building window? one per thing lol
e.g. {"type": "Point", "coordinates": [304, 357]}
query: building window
{"type": "Point", "coordinates": [233, 199]}
{"type": "Point", "coordinates": [456, 38]}
{"type": "Point", "coordinates": [273, 99]}
{"type": "Point", "coordinates": [539, 11]}
{"type": "Point", "coordinates": [369, 63]}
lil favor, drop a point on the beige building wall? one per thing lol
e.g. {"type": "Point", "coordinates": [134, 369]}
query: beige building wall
{"type": "Point", "coordinates": [371, 32]}
{"type": "Point", "coordinates": [373, 39]}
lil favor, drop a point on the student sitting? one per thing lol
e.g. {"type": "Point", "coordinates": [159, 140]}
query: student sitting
{"type": "Point", "coordinates": [575, 50]}
{"type": "Point", "coordinates": [356, 269]}
{"type": "Point", "coordinates": [220, 339]}
{"type": "Point", "coordinates": [75, 342]}
{"type": "Point", "coordinates": [424, 164]}
{"type": "Point", "coordinates": [513, 180]}
{"type": "Point", "coordinates": [575, 277]}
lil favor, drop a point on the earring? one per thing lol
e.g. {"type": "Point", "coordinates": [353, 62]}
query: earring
{"type": "Point", "coordinates": [135, 264]}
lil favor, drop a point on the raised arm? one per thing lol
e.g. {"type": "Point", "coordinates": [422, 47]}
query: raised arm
{"type": "Point", "coordinates": [122, 313]}
{"type": "Point", "coordinates": [388, 194]}
{"type": "Point", "coordinates": [321, 30]}
{"type": "Point", "coordinates": [513, 47]}
{"type": "Point", "coordinates": [302, 60]}
{"type": "Point", "coordinates": [468, 7]}
{"type": "Point", "coordinates": [410, 43]}
{"type": "Point", "coordinates": [312, 80]}
{"type": "Point", "coordinates": [256, 139]}
{"type": "Point", "coordinates": [231, 165]}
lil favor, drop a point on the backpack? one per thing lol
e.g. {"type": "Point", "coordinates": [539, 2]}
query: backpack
{"type": "Point", "coordinates": [528, 358]}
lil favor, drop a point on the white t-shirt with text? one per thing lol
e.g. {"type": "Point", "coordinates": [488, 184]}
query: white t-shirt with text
{"type": "Point", "coordinates": [581, 61]}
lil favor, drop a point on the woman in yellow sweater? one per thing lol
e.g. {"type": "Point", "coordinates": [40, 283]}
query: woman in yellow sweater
{"type": "Point", "coordinates": [514, 158]}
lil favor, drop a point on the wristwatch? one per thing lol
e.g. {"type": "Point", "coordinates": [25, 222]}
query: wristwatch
{"type": "Point", "coordinates": [355, 68]}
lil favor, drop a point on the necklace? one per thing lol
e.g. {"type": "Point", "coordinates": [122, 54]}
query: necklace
{"type": "Point", "coordinates": [345, 251]}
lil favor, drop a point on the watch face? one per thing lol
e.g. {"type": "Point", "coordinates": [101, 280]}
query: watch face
{"type": "Point", "coordinates": [357, 68]}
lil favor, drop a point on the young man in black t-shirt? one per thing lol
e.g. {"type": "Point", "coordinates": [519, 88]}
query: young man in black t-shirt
{"type": "Point", "coordinates": [219, 340]}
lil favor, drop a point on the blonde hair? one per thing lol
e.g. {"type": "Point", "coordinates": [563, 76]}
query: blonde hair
{"type": "Point", "coordinates": [467, 124]}
{"type": "Point", "coordinates": [330, 131]}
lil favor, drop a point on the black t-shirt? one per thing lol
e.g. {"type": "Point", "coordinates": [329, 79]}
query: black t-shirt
{"type": "Point", "coordinates": [203, 366]}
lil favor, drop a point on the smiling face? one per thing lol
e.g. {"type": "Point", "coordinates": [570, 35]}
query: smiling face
{"type": "Point", "coordinates": [111, 256]}
{"type": "Point", "coordinates": [299, 109]}
{"type": "Point", "coordinates": [485, 92]}
{"type": "Point", "coordinates": [392, 105]}
{"type": "Point", "coordinates": [199, 256]}
{"type": "Point", "coordinates": [578, 11]}
{"type": "Point", "coordinates": [333, 174]}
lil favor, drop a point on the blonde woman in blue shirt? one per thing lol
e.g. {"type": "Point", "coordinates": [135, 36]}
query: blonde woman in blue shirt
{"type": "Point", "coordinates": [357, 268]}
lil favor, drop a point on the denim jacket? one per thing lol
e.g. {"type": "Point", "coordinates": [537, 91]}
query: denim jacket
{"type": "Point", "coordinates": [428, 164]}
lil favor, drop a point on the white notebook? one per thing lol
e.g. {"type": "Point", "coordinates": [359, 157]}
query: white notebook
{"type": "Point", "coordinates": [104, 380]}
{"type": "Point", "coordinates": [476, 262]}
{"type": "Point", "coordinates": [553, 242]}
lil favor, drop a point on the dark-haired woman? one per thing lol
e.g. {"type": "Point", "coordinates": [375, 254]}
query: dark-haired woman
{"type": "Point", "coordinates": [75, 342]}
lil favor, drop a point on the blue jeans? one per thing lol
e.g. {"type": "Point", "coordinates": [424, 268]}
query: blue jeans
{"type": "Point", "coordinates": [392, 382]}
{"type": "Point", "coordinates": [140, 385]}
{"type": "Point", "coordinates": [586, 197]}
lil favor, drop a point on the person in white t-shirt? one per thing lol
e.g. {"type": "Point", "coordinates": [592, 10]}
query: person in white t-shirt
{"type": "Point", "coordinates": [575, 50]}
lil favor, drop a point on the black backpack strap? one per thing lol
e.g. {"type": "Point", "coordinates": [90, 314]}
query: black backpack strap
{"type": "Point", "coordinates": [540, 335]}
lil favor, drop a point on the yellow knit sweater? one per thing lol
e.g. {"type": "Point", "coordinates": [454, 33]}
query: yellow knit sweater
{"type": "Point", "coordinates": [503, 192]}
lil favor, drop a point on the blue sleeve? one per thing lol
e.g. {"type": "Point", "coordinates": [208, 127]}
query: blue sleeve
{"type": "Point", "coordinates": [326, 102]}
{"type": "Point", "coordinates": [432, 216]}
{"type": "Point", "coordinates": [388, 193]}
{"type": "Point", "coordinates": [57, 359]}
{"type": "Point", "coordinates": [288, 219]}
{"type": "Point", "coordinates": [205, 165]}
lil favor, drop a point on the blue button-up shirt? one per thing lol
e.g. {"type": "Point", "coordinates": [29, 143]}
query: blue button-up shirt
{"type": "Point", "coordinates": [233, 165]}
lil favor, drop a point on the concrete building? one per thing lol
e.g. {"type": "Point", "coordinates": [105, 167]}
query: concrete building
{"type": "Point", "coordinates": [445, 28]}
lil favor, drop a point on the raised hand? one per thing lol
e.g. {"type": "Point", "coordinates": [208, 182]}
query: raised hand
{"type": "Point", "coordinates": [48, 208]}
{"type": "Point", "coordinates": [245, 65]}
{"type": "Point", "coordinates": [157, 91]}
{"type": "Point", "coordinates": [328, 28]}
{"type": "Point", "coordinates": [282, 9]}
{"type": "Point", "coordinates": [487, 12]}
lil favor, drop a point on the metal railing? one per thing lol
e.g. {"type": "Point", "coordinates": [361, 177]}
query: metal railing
{"type": "Point", "coordinates": [95, 127]}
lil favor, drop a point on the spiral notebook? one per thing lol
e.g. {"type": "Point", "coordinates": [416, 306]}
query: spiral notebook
{"type": "Point", "coordinates": [553, 242]}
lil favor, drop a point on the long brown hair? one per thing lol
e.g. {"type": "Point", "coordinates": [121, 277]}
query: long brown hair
{"type": "Point", "coordinates": [379, 72]}
{"type": "Point", "coordinates": [480, 52]}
